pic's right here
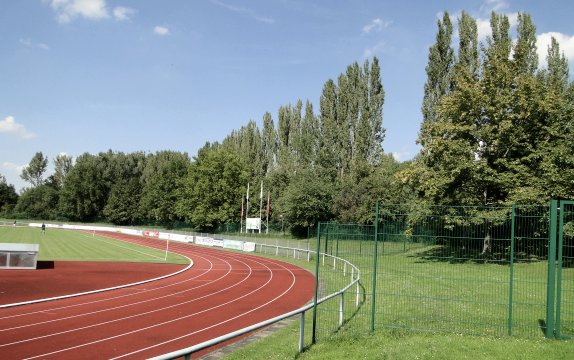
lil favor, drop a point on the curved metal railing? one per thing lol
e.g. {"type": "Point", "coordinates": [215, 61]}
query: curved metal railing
{"type": "Point", "coordinates": [355, 281]}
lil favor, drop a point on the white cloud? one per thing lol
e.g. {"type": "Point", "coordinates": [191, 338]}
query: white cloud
{"type": "Point", "coordinates": [375, 49]}
{"type": "Point", "coordinates": [161, 30]}
{"type": "Point", "coordinates": [483, 25]}
{"type": "Point", "coordinates": [13, 167]}
{"type": "Point", "coordinates": [10, 126]}
{"type": "Point", "coordinates": [68, 10]}
{"type": "Point", "coordinates": [376, 25]}
{"type": "Point", "coordinates": [122, 13]}
{"type": "Point", "coordinates": [250, 13]}
{"type": "Point", "coordinates": [566, 43]}
{"type": "Point", "coordinates": [401, 156]}
{"type": "Point", "coordinates": [31, 44]}
{"type": "Point", "coordinates": [493, 5]}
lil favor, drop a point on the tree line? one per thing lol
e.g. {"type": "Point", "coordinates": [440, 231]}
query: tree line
{"type": "Point", "coordinates": [496, 129]}
{"type": "Point", "coordinates": [317, 167]}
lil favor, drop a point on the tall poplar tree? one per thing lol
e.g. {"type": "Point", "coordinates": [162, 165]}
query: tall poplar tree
{"type": "Point", "coordinates": [439, 76]}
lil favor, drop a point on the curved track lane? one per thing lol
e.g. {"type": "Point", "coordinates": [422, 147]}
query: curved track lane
{"type": "Point", "coordinates": [222, 292]}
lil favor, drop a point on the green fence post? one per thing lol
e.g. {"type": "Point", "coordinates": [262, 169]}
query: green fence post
{"type": "Point", "coordinates": [314, 330]}
{"type": "Point", "coordinates": [551, 270]}
{"type": "Point", "coordinates": [559, 275]}
{"type": "Point", "coordinates": [511, 285]}
{"type": "Point", "coordinates": [374, 287]}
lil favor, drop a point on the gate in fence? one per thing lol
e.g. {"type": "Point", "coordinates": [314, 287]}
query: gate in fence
{"type": "Point", "coordinates": [506, 270]}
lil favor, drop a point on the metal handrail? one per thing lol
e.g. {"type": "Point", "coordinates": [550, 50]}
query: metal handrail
{"type": "Point", "coordinates": [192, 349]}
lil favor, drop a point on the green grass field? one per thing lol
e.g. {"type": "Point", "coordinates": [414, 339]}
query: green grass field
{"type": "Point", "coordinates": [471, 292]}
{"type": "Point", "coordinates": [71, 245]}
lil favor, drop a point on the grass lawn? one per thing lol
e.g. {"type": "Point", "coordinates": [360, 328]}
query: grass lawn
{"type": "Point", "coordinates": [462, 308]}
{"type": "Point", "coordinates": [71, 245]}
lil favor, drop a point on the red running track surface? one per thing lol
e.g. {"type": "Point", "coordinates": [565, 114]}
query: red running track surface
{"type": "Point", "coordinates": [220, 293]}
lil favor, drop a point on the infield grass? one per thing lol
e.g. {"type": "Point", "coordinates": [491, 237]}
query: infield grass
{"type": "Point", "coordinates": [72, 245]}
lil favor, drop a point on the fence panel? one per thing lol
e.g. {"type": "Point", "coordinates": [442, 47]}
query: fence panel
{"type": "Point", "coordinates": [565, 275]}
{"type": "Point", "coordinates": [353, 243]}
{"type": "Point", "coordinates": [471, 270]}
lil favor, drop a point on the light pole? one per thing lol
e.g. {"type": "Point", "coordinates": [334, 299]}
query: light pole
{"type": "Point", "coordinates": [281, 217]}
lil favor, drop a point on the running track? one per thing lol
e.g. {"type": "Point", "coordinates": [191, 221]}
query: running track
{"type": "Point", "coordinates": [220, 293]}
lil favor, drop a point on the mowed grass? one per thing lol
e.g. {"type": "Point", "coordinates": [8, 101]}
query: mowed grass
{"type": "Point", "coordinates": [72, 245]}
{"type": "Point", "coordinates": [473, 293]}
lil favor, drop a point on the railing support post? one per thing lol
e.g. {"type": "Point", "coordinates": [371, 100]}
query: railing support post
{"type": "Point", "coordinates": [342, 309]}
{"type": "Point", "coordinates": [358, 294]}
{"type": "Point", "coordinates": [302, 332]}
{"type": "Point", "coordinates": [551, 270]}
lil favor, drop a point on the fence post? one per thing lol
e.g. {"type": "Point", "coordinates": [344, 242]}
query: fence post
{"type": "Point", "coordinates": [314, 334]}
{"type": "Point", "coordinates": [374, 288]}
{"type": "Point", "coordinates": [559, 275]}
{"type": "Point", "coordinates": [511, 285]}
{"type": "Point", "coordinates": [551, 270]}
{"type": "Point", "coordinates": [358, 300]}
{"type": "Point", "coordinates": [302, 332]}
{"type": "Point", "coordinates": [342, 309]}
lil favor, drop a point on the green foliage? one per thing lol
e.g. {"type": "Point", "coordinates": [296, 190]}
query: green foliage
{"type": "Point", "coordinates": [161, 180]}
{"type": "Point", "coordinates": [62, 164]}
{"type": "Point", "coordinates": [39, 202]}
{"type": "Point", "coordinates": [501, 133]}
{"type": "Point", "coordinates": [34, 172]}
{"type": "Point", "coordinates": [336, 155]}
{"type": "Point", "coordinates": [8, 196]}
{"type": "Point", "coordinates": [123, 206]}
{"type": "Point", "coordinates": [307, 200]}
{"type": "Point", "coordinates": [84, 193]}
{"type": "Point", "coordinates": [210, 194]}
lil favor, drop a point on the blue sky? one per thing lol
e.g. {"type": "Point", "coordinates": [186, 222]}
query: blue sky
{"type": "Point", "coordinates": [139, 75]}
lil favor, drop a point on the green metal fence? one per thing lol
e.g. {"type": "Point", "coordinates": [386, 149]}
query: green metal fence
{"type": "Point", "coordinates": [469, 270]}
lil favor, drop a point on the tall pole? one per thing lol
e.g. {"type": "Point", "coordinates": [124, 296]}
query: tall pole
{"type": "Point", "coordinates": [260, 205]}
{"type": "Point", "coordinates": [247, 208]}
{"type": "Point", "coordinates": [374, 290]}
{"type": "Point", "coordinates": [267, 212]}
{"type": "Point", "coordinates": [242, 204]}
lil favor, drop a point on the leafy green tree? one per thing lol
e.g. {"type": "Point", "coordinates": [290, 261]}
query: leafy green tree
{"type": "Point", "coordinates": [8, 196]}
{"type": "Point", "coordinates": [62, 165]}
{"type": "Point", "coordinates": [84, 193]}
{"type": "Point", "coordinates": [357, 194]}
{"type": "Point", "coordinates": [374, 111]}
{"type": "Point", "coordinates": [269, 145]}
{"type": "Point", "coordinates": [211, 193]}
{"type": "Point", "coordinates": [327, 155]}
{"type": "Point", "coordinates": [34, 172]}
{"type": "Point", "coordinates": [556, 160]}
{"type": "Point", "coordinates": [307, 200]}
{"type": "Point", "coordinates": [122, 207]}
{"type": "Point", "coordinates": [439, 76]}
{"type": "Point", "coordinates": [309, 140]}
{"type": "Point", "coordinates": [39, 202]}
{"type": "Point", "coordinates": [161, 181]}
{"type": "Point", "coordinates": [468, 61]}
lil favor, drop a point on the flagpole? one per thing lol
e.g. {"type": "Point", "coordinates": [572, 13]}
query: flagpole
{"type": "Point", "coordinates": [267, 214]}
{"type": "Point", "coordinates": [260, 205]}
{"type": "Point", "coordinates": [247, 209]}
{"type": "Point", "coordinates": [166, 247]}
{"type": "Point", "coordinates": [241, 225]}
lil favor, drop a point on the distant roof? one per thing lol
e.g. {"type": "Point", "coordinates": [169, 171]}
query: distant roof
{"type": "Point", "coordinates": [19, 247]}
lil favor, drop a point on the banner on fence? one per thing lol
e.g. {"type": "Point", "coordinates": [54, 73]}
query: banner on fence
{"type": "Point", "coordinates": [249, 246]}
{"type": "Point", "coordinates": [233, 244]}
{"type": "Point", "coordinates": [151, 233]}
{"type": "Point", "coordinates": [208, 241]}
